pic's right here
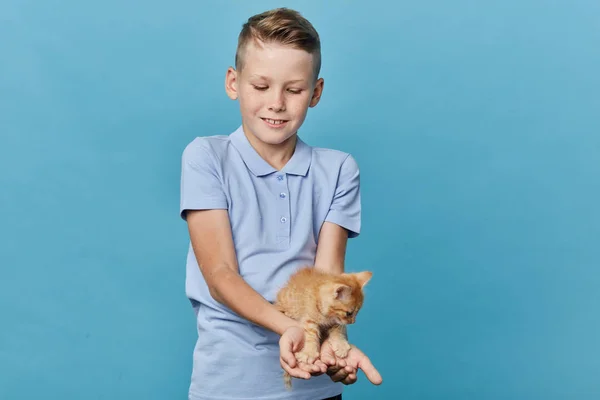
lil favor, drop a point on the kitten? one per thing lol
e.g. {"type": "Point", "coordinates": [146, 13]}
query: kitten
{"type": "Point", "coordinates": [324, 303]}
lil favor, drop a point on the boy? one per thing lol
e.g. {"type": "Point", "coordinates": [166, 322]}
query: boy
{"type": "Point", "coordinates": [259, 204]}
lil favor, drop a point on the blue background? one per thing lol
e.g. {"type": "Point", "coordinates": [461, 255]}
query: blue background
{"type": "Point", "coordinates": [476, 128]}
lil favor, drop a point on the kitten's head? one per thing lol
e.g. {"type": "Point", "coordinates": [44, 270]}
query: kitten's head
{"type": "Point", "coordinates": [343, 297]}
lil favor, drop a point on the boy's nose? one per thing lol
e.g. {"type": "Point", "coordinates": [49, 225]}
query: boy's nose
{"type": "Point", "coordinates": [277, 103]}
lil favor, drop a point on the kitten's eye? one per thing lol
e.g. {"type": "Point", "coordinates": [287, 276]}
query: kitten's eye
{"type": "Point", "coordinates": [349, 313]}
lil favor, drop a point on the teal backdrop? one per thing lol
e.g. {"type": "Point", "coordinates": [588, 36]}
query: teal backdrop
{"type": "Point", "coordinates": [476, 127]}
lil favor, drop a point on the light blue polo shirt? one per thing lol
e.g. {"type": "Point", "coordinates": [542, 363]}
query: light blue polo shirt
{"type": "Point", "coordinates": [275, 218]}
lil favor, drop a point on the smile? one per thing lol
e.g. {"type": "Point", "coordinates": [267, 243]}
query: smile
{"type": "Point", "coordinates": [274, 122]}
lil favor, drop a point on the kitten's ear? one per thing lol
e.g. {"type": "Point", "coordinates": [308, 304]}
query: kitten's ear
{"type": "Point", "coordinates": [363, 277]}
{"type": "Point", "coordinates": [341, 292]}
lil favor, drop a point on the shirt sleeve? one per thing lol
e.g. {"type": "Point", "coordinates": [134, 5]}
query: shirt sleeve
{"type": "Point", "coordinates": [201, 187]}
{"type": "Point", "coordinates": [345, 209]}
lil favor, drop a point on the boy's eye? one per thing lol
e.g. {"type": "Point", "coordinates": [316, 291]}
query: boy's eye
{"type": "Point", "coordinates": [260, 87]}
{"type": "Point", "coordinates": [295, 91]}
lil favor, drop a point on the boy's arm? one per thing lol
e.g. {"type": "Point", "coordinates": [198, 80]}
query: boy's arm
{"type": "Point", "coordinates": [342, 221]}
{"type": "Point", "coordinates": [212, 242]}
{"type": "Point", "coordinates": [331, 249]}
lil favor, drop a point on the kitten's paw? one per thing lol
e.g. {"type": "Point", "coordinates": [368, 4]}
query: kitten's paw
{"type": "Point", "coordinates": [308, 355]}
{"type": "Point", "coordinates": [340, 348]}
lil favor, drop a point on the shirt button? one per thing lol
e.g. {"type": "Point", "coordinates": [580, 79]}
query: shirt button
{"type": "Point", "coordinates": [279, 177]}
{"type": "Point", "coordinates": [283, 220]}
{"type": "Point", "coordinates": [282, 195]}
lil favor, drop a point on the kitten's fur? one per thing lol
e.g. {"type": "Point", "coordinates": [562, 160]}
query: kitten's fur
{"type": "Point", "coordinates": [324, 303]}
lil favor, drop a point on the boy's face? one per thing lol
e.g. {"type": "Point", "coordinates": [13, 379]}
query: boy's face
{"type": "Point", "coordinates": [275, 87]}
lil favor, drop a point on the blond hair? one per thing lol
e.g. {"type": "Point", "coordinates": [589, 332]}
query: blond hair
{"type": "Point", "coordinates": [284, 26]}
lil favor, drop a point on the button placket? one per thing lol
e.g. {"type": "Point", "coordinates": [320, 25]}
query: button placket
{"type": "Point", "coordinates": [283, 209]}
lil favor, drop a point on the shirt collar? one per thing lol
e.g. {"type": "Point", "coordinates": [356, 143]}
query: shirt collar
{"type": "Point", "coordinates": [297, 165]}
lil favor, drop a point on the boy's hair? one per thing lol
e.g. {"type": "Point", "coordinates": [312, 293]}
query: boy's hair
{"type": "Point", "coordinates": [284, 26]}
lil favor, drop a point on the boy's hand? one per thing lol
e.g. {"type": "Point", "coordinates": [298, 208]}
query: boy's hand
{"type": "Point", "coordinates": [345, 369]}
{"type": "Point", "coordinates": [292, 341]}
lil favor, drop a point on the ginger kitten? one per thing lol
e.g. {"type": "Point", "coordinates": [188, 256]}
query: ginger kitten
{"type": "Point", "coordinates": [324, 304]}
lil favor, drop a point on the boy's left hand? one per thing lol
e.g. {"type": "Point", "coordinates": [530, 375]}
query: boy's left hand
{"type": "Point", "coordinates": [345, 369]}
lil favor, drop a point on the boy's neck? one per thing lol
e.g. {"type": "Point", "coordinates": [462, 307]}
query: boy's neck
{"type": "Point", "coordinates": [276, 156]}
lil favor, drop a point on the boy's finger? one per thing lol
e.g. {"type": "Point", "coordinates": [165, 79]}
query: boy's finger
{"type": "Point", "coordinates": [328, 360]}
{"type": "Point", "coordinates": [350, 379]}
{"type": "Point", "coordinates": [339, 376]}
{"type": "Point", "coordinates": [322, 366]}
{"type": "Point", "coordinates": [310, 368]}
{"type": "Point", "coordinates": [285, 352]}
{"type": "Point", "coordinates": [296, 346]}
{"type": "Point", "coordinates": [295, 372]}
{"type": "Point", "coordinates": [370, 371]}
{"type": "Point", "coordinates": [332, 370]}
{"type": "Point", "coordinates": [289, 358]}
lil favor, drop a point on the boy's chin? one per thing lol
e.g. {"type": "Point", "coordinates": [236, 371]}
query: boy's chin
{"type": "Point", "coordinates": [273, 138]}
{"type": "Point", "coordinates": [277, 141]}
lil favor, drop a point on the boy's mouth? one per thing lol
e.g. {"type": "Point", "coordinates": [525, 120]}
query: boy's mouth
{"type": "Point", "coordinates": [277, 123]}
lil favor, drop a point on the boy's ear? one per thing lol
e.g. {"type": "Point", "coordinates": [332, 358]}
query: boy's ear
{"type": "Point", "coordinates": [317, 92]}
{"type": "Point", "coordinates": [231, 83]}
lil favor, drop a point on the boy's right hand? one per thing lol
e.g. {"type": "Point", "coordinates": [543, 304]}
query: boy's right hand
{"type": "Point", "coordinates": [292, 341]}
